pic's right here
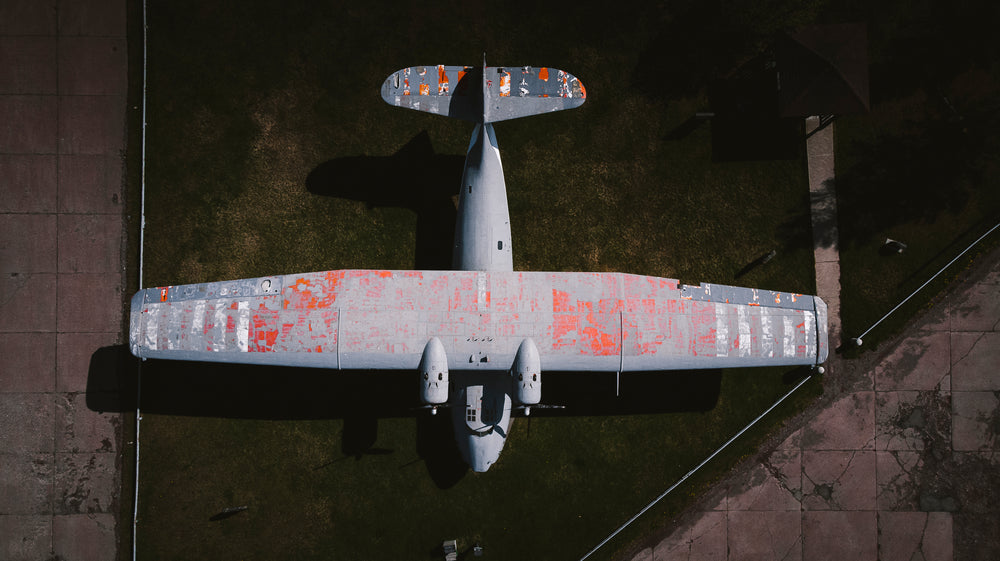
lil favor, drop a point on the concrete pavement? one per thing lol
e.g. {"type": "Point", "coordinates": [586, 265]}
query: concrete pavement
{"type": "Point", "coordinates": [63, 80]}
{"type": "Point", "coordinates": [901, 462]}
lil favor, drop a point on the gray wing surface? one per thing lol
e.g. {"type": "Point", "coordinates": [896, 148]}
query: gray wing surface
{"type": "Point", "coordinates": [369, 319]}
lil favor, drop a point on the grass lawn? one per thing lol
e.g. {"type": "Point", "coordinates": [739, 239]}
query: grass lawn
{"type": "Point", "coordinates": [270, 151]}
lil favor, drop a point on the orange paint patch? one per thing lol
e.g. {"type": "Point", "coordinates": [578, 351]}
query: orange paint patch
{"type": "Point", "coordinates": [562, 325]}
{"type": "Point", "coordinates": [442, 81]}
{"type": "Point", "coordinates": [543, 74]}
{"type": "Point", "coordinates": [425, 89]}
{"type": "Point", "coordinates": [599, 343]}
{"type": "Point", "coordinates": [560, 301]}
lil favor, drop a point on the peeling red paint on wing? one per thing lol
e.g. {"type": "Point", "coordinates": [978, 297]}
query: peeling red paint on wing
{"type": "Point", "coordinates": [560, 301]}
{"type": "Point", "coordinates": [442, 80]}
{"type": "Point", "coordinates": [562, 325]}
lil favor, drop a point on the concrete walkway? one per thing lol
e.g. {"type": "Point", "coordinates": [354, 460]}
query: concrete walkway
{"type": "Point", "coordinates": [63, 78]}
{"type": "Point", "coordinates": [823, 197]}
{"type": "Point", "coordinates": [900, 463]}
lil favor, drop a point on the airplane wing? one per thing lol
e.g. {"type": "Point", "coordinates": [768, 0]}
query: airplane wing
{"type": "Point", "coordinates": [370, 319]}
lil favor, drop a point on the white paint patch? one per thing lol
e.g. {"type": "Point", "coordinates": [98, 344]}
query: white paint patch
{"type": "Point", "coordinates": [152, 323]}
{"type": "Point", "coordinates": [766, 333]}
{"type": "Point", "coordinates": [745, 337]}
{"type": "Point", "coordinates": [788, 337]}
{"type": "Point", "coordinates": [481, 291]}
{"type": "Point", "coordinates": [175, 318]}
{"type": "Point", "coordinates": [721, 330]}
{"type": "Point", "coordinates": [217, 339]}
{"type": "Point", "coordinates": [198, 320]}
{"type": "Point", "coordinates": [810, 333]}
{"type": "Point", "coordinates": [243, 325]}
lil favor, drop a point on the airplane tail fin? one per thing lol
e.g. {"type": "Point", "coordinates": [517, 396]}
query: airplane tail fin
{"type": "Point", "coordinates": [483, 95]}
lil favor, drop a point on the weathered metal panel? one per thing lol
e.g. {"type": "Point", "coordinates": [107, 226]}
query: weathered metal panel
{"type": "Point", "coordinates": [483, 94]}
{"type": "Point", "coordinates": [383, 319]}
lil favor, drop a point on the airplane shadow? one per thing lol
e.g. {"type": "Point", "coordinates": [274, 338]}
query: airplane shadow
{"type": "Point", "coordinates": [414, 178]}
{"type": "Point", "coordinates": [221, 390]}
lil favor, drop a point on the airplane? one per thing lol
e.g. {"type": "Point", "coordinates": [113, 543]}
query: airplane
{"type": "Point", "coordinates": [479, 335]}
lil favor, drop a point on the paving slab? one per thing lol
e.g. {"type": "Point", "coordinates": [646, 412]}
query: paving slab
{"type": "Point", "coordinates": [28, 302]}
{"type": "Point", "coordinates": [90, 302]}
{"type": "Point", "coordinates": [912, 420]}
{"type": "Point", "coordinates": [705, 539]}
{"type": "Point", "coordinates": [99, 18]}
{"type": "Point", "coordinates": [28, 65]}
{"type": "Point", "coordinates": [90, 183]}
{"type": "Point", "coordinates": [28, 17]}
{"type": "Point", "coordinates": [904, 536]}
{"type": "Point", "coordinates": [26, 483]}
{"type": "Point", "coordinates": [74, 364]}
{"type": "Point", "coordinates": [838, 480]}
{"type": "Point", "coordinates": [836, 535]}
{"type": "Point", "coordinates": [21, 410]}
{"type": "Point", "coordinates": [918, 363]}
{"type": "Point", "coordinates": [85, 483]}
{"type": "Point", "coordinates": [79, 536]}
{"type": "Point", "coordinates": [765, 536]}
{"type": "Point", "coordinates": [975, 421]}
{"type": "Point", "coordinates": [30, 124]}
{"type": "Point", "coordinates": [982, 310]}
{"type": "Point", "coordinates": [27, 243]}
{"type": "Point", "coordinates": [89, 243]}
{"type": "Point", "coordinates": [847, 424]}
{"type": "Point", "coordinates": [29, 183]}
{"type": "Point", "coordinates": [90, 65]}
{"type": "Point", "coordinates": [81, 430]}
{"type": "Point", "coordinates": [26, 537]}
{"type": "Point", "coordinates": [29, 363]}
{"type": "Point", "coordinates": [91, 124]}
{"type": "Point", "coordinates": [775, 485]}
{"type": "Point", "coordinates": [897, 479]}
{"type": "Point", "coordinates": [975, 368]}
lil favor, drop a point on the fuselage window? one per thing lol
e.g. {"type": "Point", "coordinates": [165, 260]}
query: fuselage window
{"type": "Point", "coordinates": [500, 244]}
{"type": "Point", "coordinates": [470, 415]}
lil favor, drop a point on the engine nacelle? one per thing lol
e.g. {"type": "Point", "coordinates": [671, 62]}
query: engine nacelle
{"type": "Point", "coordinates": [434, 374]}
{"type": "Point", "coordinates": [527, 374]}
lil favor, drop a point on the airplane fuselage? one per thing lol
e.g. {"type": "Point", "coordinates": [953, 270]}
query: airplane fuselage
{"type": "Point", "coordinates": [481, 401]}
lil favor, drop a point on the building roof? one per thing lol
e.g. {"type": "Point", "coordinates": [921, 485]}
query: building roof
{"type": "Point", "coordinates": [823, 70]}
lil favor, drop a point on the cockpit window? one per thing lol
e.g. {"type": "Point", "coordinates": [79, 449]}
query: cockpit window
{"type": "Point", "coordinates": [470, 415]}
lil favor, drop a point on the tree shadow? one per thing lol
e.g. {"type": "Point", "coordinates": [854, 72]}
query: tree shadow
{"type": "Point", "coordinates": [698, 43]}
{"type": "Point", "coordinates": [911, 177]}
{"type": "Point", "coordinates": [414, 178]}
{"type": "Point", "coordinates": [746, 125]}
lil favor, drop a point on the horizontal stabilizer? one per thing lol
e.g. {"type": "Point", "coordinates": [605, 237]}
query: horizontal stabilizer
{"type": "Point", "coordinates": [483, 94]}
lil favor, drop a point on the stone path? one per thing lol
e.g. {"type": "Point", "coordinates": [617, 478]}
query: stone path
{"type": "Point", "coordinates": [63, 78]}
